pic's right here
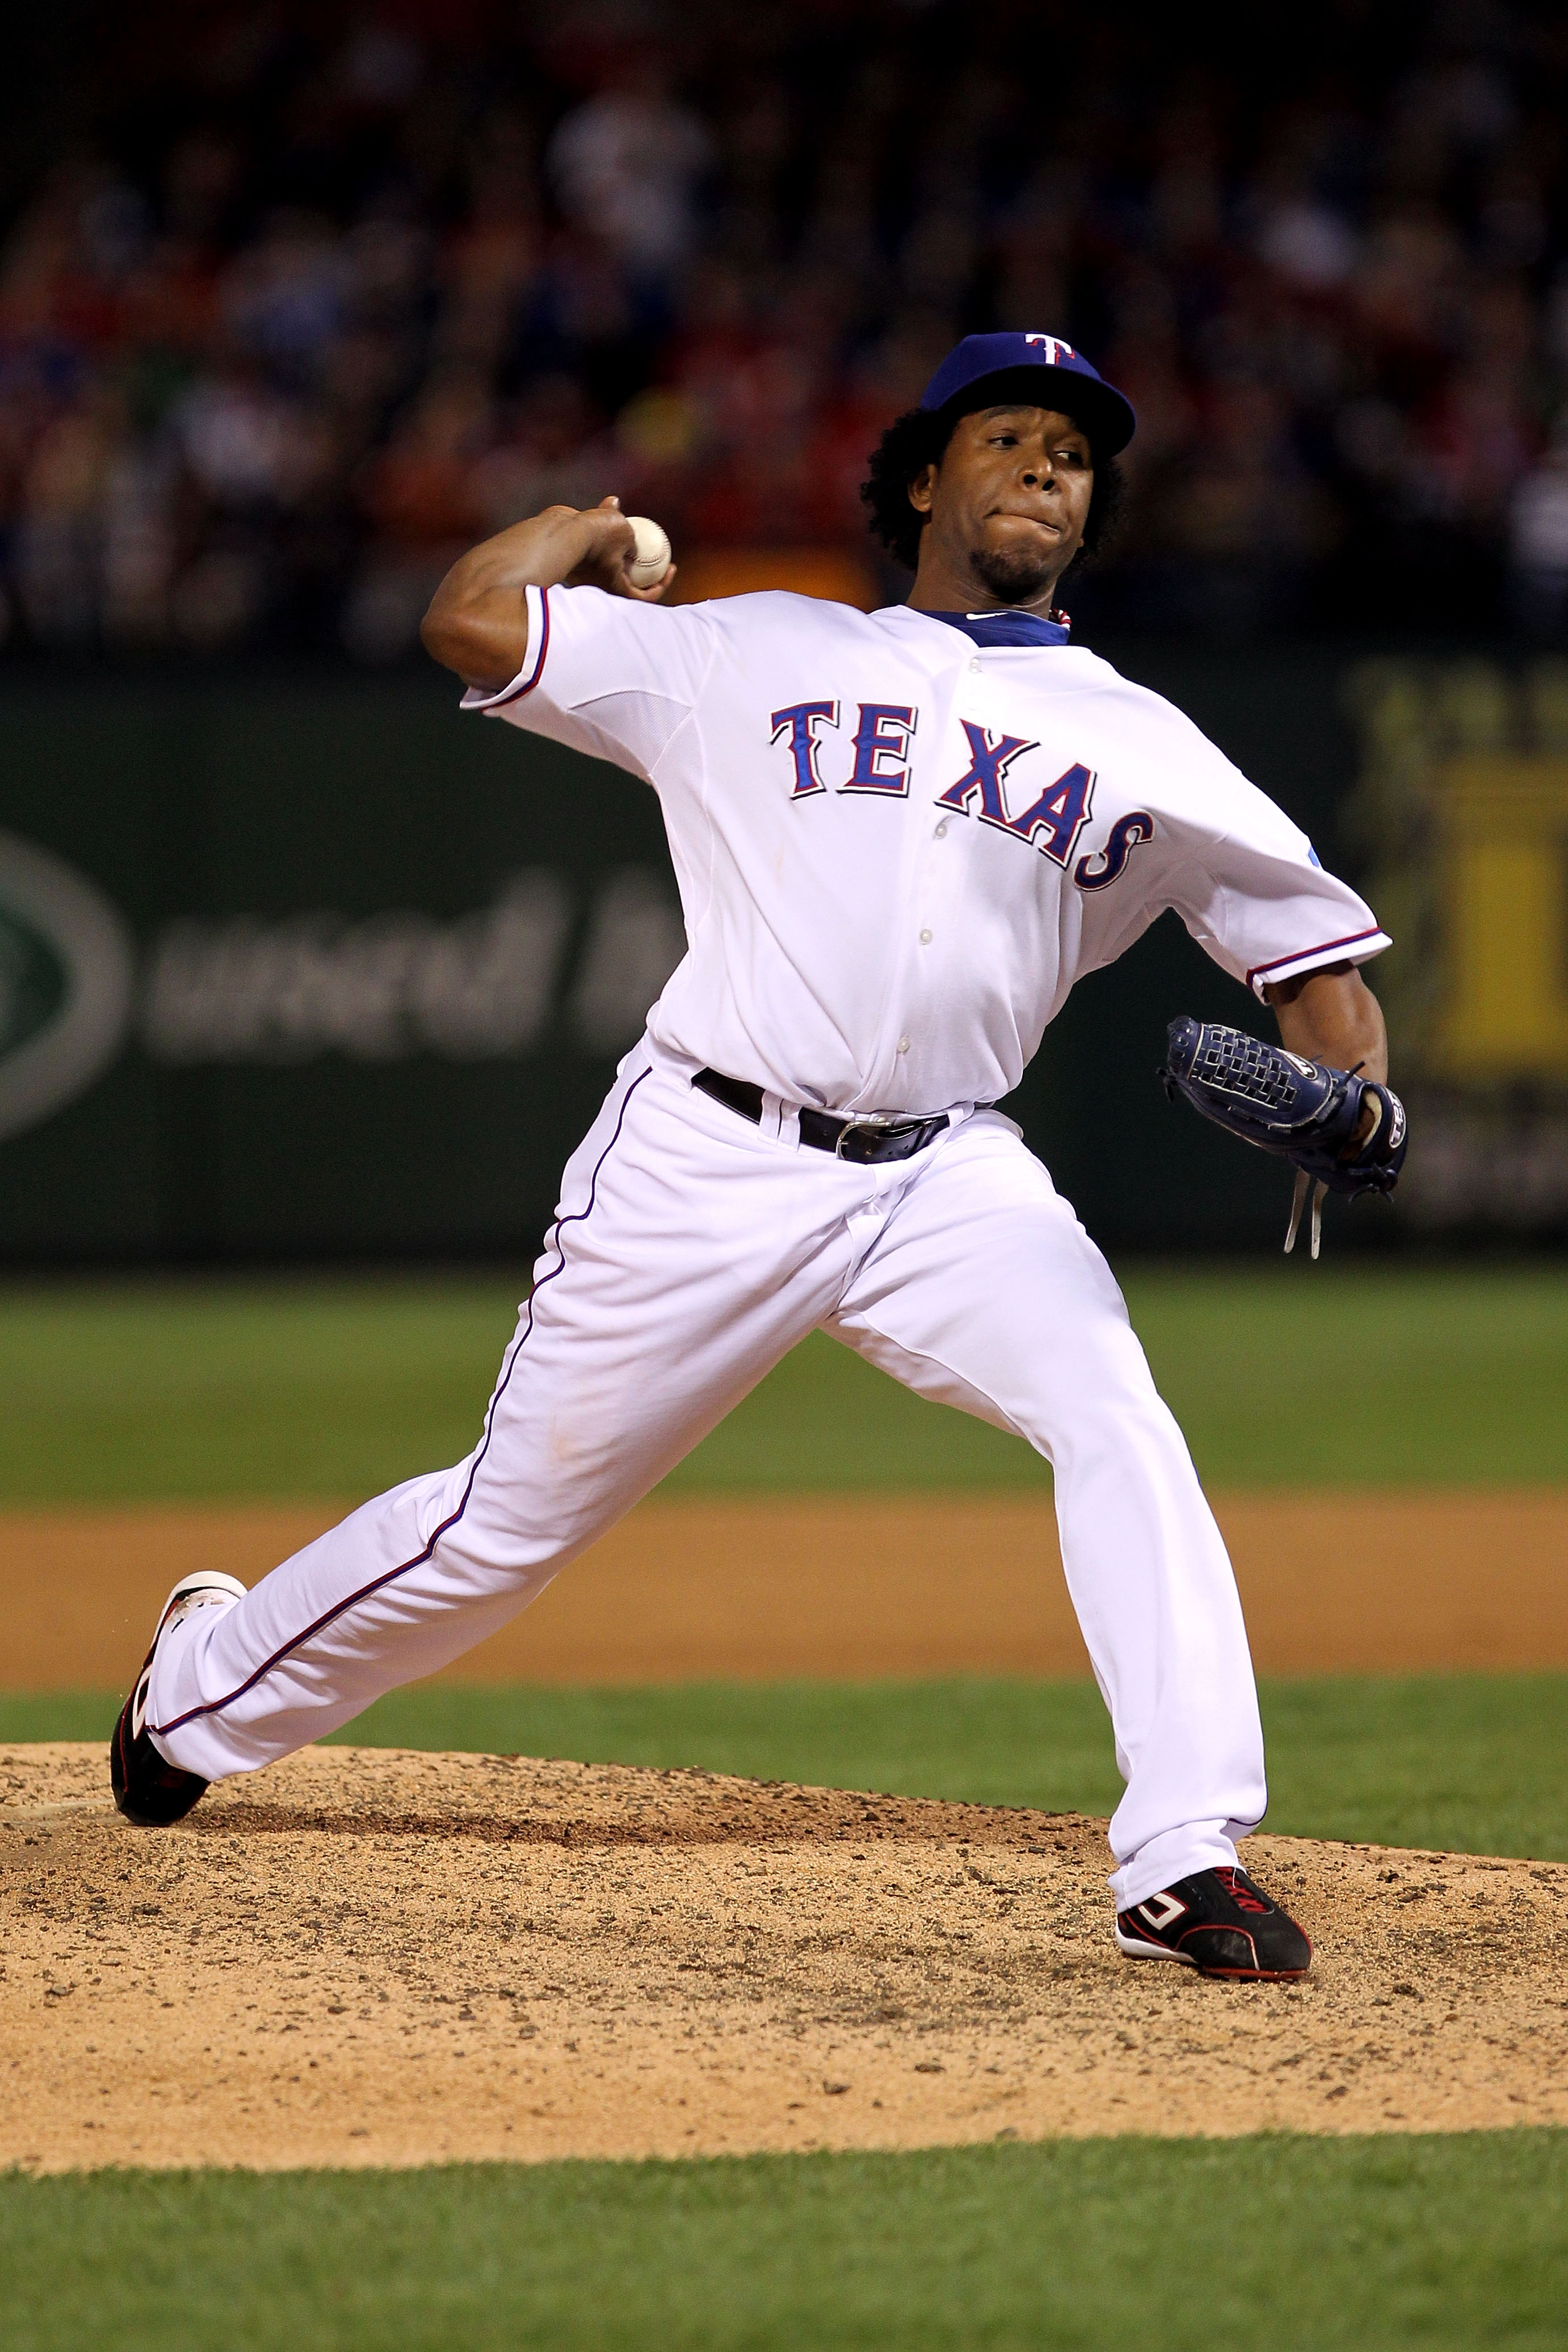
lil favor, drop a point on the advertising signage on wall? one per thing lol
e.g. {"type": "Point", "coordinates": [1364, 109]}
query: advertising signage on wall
{"type": "Point", "coordinates": [304, 968]}
{"type": "Point", "coordinates": [1460, 813]}
{"type": "Point", "coordinates": [301, 966]}
{"type": "Point", "coordinates": [66, 973]}
{"type": "Point", "coordinates": [389, 987]}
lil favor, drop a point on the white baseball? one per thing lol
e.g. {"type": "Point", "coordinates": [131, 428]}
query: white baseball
{"type": "Point", "coordinates": [652, 560]}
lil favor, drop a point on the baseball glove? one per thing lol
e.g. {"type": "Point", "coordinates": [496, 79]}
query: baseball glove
{"type": "Point", "coordinates": [1305, 1112]}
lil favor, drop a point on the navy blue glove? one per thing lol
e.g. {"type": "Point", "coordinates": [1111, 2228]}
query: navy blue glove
{"type": "Point", "coordinates": [1305, 1112]}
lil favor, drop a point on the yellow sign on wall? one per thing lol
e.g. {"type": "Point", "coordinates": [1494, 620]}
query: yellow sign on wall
{"type": "Point", "coordinates": [1503, 917]}
{"type": "Point", "coordinates": [1461, 814]}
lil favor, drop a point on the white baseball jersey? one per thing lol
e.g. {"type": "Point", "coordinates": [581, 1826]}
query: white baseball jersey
{"type": "Point", "coordinates": [897, 849]}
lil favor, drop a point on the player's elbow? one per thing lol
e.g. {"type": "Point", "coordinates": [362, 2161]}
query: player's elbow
{"type": "Point", "coordinates": [443, 634]}
{"type": "Point", "coordinates": [464, 631]}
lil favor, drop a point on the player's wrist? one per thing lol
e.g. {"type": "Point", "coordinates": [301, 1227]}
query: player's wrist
{"type": "Point", "coordinates": [602, 546]}
{"type": "Point", "coordinates": [544, 550]}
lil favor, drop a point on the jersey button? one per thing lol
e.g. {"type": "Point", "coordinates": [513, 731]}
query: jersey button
{"type": "Point", "coordinates": [925, 939]}
{"type": "Point", "coordinates": [974, 669]}
{"type": "Point", "coordinates": [942, 829]}
{"type": "Point", "coordinates": [903, 1044]}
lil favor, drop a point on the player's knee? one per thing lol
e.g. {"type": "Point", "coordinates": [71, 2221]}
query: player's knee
{"type": "Point", "coordinates": [1105, 1407]}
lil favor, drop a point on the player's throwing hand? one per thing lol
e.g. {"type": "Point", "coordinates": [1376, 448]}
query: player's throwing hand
{"type": "Point", "coordinates": [622, 554]}
{"type": "Point", "coordinates": [478, 622]}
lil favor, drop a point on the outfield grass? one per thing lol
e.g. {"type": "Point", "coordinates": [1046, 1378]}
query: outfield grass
{"type": "Point", "coordinates": [1446, 2244]}
{"type": "Point", "coordinates": [335, 1386]}
{"type": "Point", "coordinates": [1472, 1764]}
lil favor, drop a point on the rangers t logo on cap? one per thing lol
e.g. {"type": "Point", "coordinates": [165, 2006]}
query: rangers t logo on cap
{"type": "Point", "coordinates": [983, 369]}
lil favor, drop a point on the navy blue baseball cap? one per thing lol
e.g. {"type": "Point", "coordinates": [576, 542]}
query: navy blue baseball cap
{"type": "Point", "coordinates": [1058, 377]}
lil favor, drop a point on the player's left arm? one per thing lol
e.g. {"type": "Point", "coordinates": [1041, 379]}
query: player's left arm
{"type": "Point", "coordinates": [1257, 897]}
{"type": "Point", "coordinates": [1330, 1016]}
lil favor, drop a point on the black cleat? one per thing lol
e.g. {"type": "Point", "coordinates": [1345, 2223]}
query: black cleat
{"type": "Point", "coordinates": [148, 1790]}
{"type": "Point", "coordinates": [1220, 1924]}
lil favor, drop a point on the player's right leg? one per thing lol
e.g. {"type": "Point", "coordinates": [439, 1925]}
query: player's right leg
{"type": "Point", "coordinates": [686, 1258]}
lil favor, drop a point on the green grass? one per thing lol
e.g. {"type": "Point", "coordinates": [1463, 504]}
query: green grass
{"type": "Point", "coordinates": [338, 1386]}
{"type": "Point", "coordinates": [335, 1386]}
{"type": "Point", "coordinates": [1446, 2244]}
{"type": "Point", "coordinates": [1472, 1764]}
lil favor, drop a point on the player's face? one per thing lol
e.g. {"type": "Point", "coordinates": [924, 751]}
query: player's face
{"type": "Point", "coordinates": [1008, 500]}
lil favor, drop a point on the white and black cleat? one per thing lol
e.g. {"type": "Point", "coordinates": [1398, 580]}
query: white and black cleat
{"type": "Point", "coordinates": [1219, 1923]}
{"type": "Point", "coordinates": [148, 1790]}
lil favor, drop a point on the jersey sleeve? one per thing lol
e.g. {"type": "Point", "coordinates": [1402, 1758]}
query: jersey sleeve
{"type": "Point", "coordinates": [1255, 895]}
{"type": "Point", "coordinates": [605, 674]}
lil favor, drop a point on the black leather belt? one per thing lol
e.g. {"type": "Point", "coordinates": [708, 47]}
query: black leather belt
{"type": "Point", "coordinates": [867, 1142]}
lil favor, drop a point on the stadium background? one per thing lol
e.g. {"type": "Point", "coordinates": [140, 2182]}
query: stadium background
{"type": "Point", "coordinates": [306, 988]}
{"type": "Point", "coordinates": [296, 303]}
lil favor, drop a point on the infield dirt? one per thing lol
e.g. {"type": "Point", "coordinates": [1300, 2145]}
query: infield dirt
{"type": "Point", "coordinates": [365, 1957]}
{"type": "Point", "coordinates": [851, 1585]}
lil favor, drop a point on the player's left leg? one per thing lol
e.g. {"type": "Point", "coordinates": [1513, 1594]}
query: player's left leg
{"type": "Point", "coordinates": [983, 1290]}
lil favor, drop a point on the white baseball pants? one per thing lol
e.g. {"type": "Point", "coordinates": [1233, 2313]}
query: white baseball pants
{"type": "Point", "coordinates": [691, 1251]}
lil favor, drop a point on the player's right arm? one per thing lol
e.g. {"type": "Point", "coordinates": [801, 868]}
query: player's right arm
{"type": "Point", "coordinates": [477, 623]}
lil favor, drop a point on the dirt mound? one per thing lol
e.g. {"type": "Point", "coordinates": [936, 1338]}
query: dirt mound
{"type": "Point", "coordinates": [367, 1957]}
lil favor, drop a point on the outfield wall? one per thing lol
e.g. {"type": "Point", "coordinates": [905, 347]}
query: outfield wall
{"type": "Point", "coordinates": [304, 963]}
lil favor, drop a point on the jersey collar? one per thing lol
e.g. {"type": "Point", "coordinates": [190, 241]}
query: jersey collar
{"type": "Point", "coordinates": [1006, 628]}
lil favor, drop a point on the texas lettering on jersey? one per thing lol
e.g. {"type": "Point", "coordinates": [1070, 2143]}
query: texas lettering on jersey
{"type": "Point", "coordinates": [885, 908]}
{"type": "Point", "coordinates": [1051, 823]}
{"type": "Point", "coordinates": [881, 746]}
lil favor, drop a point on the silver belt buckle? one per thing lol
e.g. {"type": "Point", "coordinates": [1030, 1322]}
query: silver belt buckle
{"type": "Point", "coordinates": [874, 1124]}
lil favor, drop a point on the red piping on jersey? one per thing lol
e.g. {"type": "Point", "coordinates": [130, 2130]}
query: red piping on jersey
{"type": "Point", "coordinates": [515, 693]}
{"type": "Point", "coordinates": [1300, 955]}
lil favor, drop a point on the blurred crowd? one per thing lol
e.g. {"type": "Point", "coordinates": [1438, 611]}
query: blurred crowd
{"type": "Point", "coordinates": [312, 299]}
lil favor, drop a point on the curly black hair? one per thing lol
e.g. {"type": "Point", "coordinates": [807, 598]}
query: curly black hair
{"type": "Point", "coordinates": [917, 439]}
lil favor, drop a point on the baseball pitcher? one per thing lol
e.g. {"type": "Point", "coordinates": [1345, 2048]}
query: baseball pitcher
{"type": "Point", "coordinates": [900, 837]}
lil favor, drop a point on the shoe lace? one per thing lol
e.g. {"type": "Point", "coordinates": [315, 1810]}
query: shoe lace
{"type": "Point", "coordinates": [1242, 1893]}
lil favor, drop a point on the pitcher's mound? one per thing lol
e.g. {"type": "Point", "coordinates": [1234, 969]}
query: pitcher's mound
{"type": "Point", "coordinates": [367, 1957]}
